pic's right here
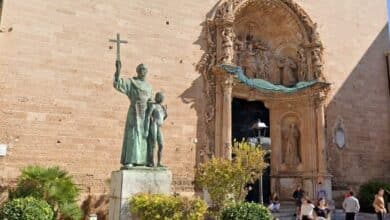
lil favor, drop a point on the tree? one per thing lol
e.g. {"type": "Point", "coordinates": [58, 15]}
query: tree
{"type": "Point", "coordinates": [52, 185]}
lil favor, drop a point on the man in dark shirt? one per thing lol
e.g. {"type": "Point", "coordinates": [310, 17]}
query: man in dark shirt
{"type": "Point", "coordinates": [297, 195]}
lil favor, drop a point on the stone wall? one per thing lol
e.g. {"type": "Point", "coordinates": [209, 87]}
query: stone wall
{"type": "Point", "coordinates": [355, 34]}
{"type": "Point", "coordinates": [58, 106]}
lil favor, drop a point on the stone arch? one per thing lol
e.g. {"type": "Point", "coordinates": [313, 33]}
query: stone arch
{"type": "Point", "coordinates": [298, 41]}
{"type": "Point", "coordinates": [275, 24]}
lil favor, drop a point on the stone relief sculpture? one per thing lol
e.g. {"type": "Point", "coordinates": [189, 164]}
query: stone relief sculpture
{"type": "Point", "coordinates": [317, 63]}
{"type": "Point", "coordinates": [249, 61]}
{"type": "Point", "coordinates": [287, 66]}
{"type": "Point", "coordinates": [230, 28]}
{"type": "Point", "coordinates": [225, 11]}
{"type": "Point", "coordinates": [302, 66]}
{"type": "Point", "coordinates": [291, 143]}
{"type": "Point", "coordinates": [253, 57]}
{"type": "Point", "coordinates": [227, 45]}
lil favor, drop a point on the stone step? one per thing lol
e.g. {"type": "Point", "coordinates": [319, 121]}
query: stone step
{"type": "Point", "coordinates": [336, 215]}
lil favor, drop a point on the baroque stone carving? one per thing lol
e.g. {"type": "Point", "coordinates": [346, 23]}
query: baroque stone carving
{"type": "Point", "coordinates": [227, 45]}
{"type": "Point", "coordinates": [302, 65]}
{"type": "Point", "coordinates": [245, 33]}
{"type": "Point", "coordinates": [287, 66]}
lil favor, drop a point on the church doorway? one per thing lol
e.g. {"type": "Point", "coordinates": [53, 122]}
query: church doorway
{"type": "Point", "coordinates": [245, 114]}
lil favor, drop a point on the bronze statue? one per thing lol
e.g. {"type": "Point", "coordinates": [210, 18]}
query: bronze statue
{"type": "Point", "coordinates": [139, 91]}
{"type": "Point", "coordinates": [156, 114]}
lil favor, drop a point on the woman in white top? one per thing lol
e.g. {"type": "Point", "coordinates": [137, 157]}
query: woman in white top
{"type": "Point", "coordinates": [307, 209]}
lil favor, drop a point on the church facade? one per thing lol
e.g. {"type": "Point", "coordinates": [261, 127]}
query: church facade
{"type": "Point", "coordinates": [318, 69]}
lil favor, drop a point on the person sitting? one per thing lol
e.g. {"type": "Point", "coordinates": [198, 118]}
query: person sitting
{"type": "Point", "coordinates": [379, 204]}
{"type": "Point", "coordinates": [322, 211]}
{"type": "Point", "coordinates": [274, 205]}
{"type": "Point", "coordinates": [307, 209]}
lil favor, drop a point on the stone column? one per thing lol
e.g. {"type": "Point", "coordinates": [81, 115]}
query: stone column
{"type": "Point", "coordinates": [223, 122]}
{"type": "Point", "coordinates": [227, 117]}
{"type": "Point", "coordinates": [320, 116]}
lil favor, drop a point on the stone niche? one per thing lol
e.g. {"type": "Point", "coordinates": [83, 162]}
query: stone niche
{"type": "Point", "coordinates": [278, 49]}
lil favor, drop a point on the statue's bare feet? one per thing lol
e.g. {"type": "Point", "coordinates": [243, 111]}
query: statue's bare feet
{"type": "Point", "coordinates": [160, 165]}
{"type": "Point", "coordinates": [150, 165]}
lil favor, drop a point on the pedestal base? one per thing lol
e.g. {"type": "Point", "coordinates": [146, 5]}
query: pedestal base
{"type": "Point", "coordinates": [126, 183]}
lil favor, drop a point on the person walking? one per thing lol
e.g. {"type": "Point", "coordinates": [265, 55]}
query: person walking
{"type": "Point", "coordinates": [298, 195]}
{"type": "Point", "coordinates": [379, 204]}
{"type": "Point", "coordinates": [351, 206]}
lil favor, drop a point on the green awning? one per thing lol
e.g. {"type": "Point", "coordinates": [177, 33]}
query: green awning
{"type": "Point", "coordinates": [266, 86]}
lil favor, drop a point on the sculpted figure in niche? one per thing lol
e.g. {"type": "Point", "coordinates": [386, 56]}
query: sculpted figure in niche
{"type": "Point", "coordinates": [315, 37]}
{"type": "Point", "coordinates": [263, 62]}
{"type": "Point", "coordinates": [238, 49]}
{"type": "Point", "coordinates": [317, 63]}
{"type": "Point", "coordinates": [227, 45]}
{"type": "Point", "coordinates": [291, 142]}
{"type": "Point", "coordinates": [249, 61]}
{"type": "Point", "coordinates": [287, 67]}
{"type": "Point", "coordinates": [302, 66]}
{"type": "Point", "coordinates": [225, 11]}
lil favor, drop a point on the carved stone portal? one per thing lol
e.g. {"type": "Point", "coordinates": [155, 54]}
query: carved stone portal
{"type": "Point", "coordinates": [276, 41]}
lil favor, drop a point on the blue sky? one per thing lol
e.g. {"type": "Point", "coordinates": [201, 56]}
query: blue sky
{"type": "Point", "coordinates": [388, 13]}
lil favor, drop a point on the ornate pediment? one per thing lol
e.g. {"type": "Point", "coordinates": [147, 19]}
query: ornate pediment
{"type": "Point", "coordinates": [273, 40]}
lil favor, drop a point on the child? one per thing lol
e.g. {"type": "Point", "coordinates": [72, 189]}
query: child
{"type": "Point", "coordinates": [156, 114]}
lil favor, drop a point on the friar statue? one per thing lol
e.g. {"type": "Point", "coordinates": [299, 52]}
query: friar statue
{"type": "Point", "coordinates": [139, 91]}
{"type": "Point", "coordinates": [156, 114]}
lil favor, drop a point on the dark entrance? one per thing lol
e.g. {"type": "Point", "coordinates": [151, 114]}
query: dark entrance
{"type": "Point", "coordinates": [244, 115]}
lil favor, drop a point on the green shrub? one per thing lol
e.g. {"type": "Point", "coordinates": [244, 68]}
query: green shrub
{"type": "Point", "coordinates": [223, 178]}
{"type": "Point", "coordinates": [246, 211]}
{"type": "Point", "coordinates": [367, 194]}
{"type": "Point", "coordinates": [151, 207]}
{"type": "Point", "coordinates": [28, 208]}
{"type": "Point", "coordinates": [54, 186]}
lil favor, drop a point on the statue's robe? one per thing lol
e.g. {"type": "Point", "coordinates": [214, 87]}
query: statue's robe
{"type": "Point", "coordinates": [134, 146]}
{"type": "Point", "coordinates": [292, 147]}
{"type": "Point", "coordinates": [288, 77]}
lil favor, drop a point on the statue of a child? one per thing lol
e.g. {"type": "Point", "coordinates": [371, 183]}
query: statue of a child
{"type": "Point", "coordinates": [156, 114]}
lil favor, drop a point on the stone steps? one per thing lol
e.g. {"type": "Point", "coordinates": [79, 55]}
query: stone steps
{"type": "Point", "coordinates": [287, 213]}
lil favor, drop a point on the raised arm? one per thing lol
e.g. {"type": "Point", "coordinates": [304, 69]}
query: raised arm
{"type": "Point", "coordinates": [120, 84]}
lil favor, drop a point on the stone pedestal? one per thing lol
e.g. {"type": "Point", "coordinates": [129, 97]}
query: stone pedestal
{"type": "Point", "coordinates": [126, 183]}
